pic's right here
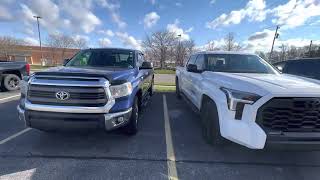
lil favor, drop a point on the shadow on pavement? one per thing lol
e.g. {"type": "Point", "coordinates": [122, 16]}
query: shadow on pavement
{"type": "Point", "coordinates": [63, 154]}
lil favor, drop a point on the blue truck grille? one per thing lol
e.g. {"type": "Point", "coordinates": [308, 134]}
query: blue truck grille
{"type": "Point", "coordinates": [79, 96]}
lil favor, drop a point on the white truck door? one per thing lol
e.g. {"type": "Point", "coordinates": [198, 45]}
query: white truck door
{"type": "Point", "coordinates": [185, 77]}
{"type": "Point", "coordinates": [196, 79]}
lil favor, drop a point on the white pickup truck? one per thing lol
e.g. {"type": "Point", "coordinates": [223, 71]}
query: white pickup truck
{"type": "Point", "coordinates": [244, 99]}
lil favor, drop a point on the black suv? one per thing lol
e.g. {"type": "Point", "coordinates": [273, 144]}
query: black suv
{"type": "Point", "coordinates": [307, 67]}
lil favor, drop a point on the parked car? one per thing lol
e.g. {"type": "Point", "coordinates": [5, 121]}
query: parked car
{"type": "Point", "coordinates": [242, 98]}
{"type": "Point", "coordinates": [307, 67]}
{"type": "Point", "coordinates": [97, 88]}
{"type": "Point", "coordinates": [11, 73]}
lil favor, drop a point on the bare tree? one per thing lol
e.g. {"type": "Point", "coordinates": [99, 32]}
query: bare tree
{"type": "Point", "coordinates": [183, 50]}
{"type": "Point", "coordinates": [262, 55]}
{"type": "Point", "coordinates": [210, 46]}
{"type": "Point", "coordinates": [80, 43]}
{"type": "Point", "coordinates": [285, 52]}
{"type": "Point", "coordinates": [284, 49]}
{"type": "Point", "coordinates": [9, 45]}
{"type": "Point", "coordinates": [293, 52]}
{"type": "Point", "coordinates": [190, 47]}
{"type": "Point", "coordinates": [159, 45]}
{"type": "Point", "coordinates": [230, 43]}
{"type": "Point", "coordinates": [63, 42]}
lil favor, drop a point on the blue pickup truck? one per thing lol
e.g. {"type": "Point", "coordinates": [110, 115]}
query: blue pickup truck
{"type": "Point", "coordinates": [97, 88]}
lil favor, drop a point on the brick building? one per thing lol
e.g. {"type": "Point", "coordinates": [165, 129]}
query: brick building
{"type": "Point", "coordinates": [32, 55]}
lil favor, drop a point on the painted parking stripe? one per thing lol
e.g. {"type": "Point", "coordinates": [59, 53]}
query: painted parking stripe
{"type": "Point", "coordinates": [6, 99]}
{"type": "Point", "coordinates": [15, 135]}
{"type": "Point", "coordinates": [171, 159]}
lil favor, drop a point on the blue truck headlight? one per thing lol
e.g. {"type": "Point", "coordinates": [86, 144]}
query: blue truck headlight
{"type": "Point", "coordinates": [121, 90]}
{"type": "Point", "coordinates": [235, 97]}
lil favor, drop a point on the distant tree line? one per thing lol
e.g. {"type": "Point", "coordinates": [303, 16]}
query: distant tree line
{"type": "Point", "coordinates": [8, 45]}
{"type": "Point", "coordinates": [57, 43]}
{"type": "Point", "coordinates": [286, 52]}
{"type": "Point", "coordinates": [165, 49]}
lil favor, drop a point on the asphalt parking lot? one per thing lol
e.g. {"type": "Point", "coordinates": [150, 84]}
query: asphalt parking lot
{"type": "Point", "coordinates": [169, 145]}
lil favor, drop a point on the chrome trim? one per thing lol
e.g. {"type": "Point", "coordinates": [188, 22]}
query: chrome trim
{"type": "Point", "coordinates": [66, 77]}
{"type": "Point", "coordinates": [109, 125]}
{"type": "Point", "coordinates": [58, 82]}
{"type": "Point", "coordinates": [71, 109]}
{"type": "Point", "coordinates": [113, 115]}
{"type": "Point", "coordinates": [21, 114]}
{"type": "Point", "coordinates": [235, 101]}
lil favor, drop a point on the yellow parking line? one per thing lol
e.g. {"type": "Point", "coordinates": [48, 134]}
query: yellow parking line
{"type": "Point", "coordinates": [171, 159]}
{"type": "Point", "coordinates": [7, 98]}
{"type": "Point", "coordinates": [15, 135]}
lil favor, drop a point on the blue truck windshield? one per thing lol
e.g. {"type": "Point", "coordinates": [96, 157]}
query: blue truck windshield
{"type": "Point", "coordinates": [103, 58]}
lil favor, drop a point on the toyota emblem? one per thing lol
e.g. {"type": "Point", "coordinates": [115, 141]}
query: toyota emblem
{"type": "Point", "coordinates": [62, 95]}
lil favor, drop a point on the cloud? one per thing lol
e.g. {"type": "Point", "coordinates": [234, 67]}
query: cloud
{"type": "Point", "coordinates": [27, 19]}
{"type": "Point", "coordinates": [80, 15]}
{"type": "Point", "coordinates": [178, 4]}
{"type": "Point", "coordinates": [104, 42]}
{"type": "Point", "coordinates": [113, 11]}
{"type": "Point", "coordinates": [81, 37]}
{"type": "Point", "coordinates": [260, 35]}
{"type": "Point", "coordinates": [107, 32]}
{"type": "Point", "coordinates": [297, 42]}
{"type": "Point", "coordinates": [48, 10]}
{"type": "Point", "coordinates": [5, 14]}
{"type": "Point", "coordinates": [295, 13]}
{"type": "Point", "coordinates": [292, 14]}
{"type": "Point", "coordinates": [212, 2]}
{"type": "Point", "coordinates": [189, 30]}
{"type": "Point", "coordinates": [31, 41]}
{"type": "Point", "coordinates": [254, 10]}
{"type": "Point", "coordinates": [150, 19]}
{"type": "Point", "coordinates": [217, 44]}
{"type": "Point", "coordinates": [315, 23]}
{"type": "Point", "coordinates": [259, 41]}
{"type": "Point", "coordinates": [153, 2]}
{"type": "Point", "coordinates": [174, 28]}
{"type": "Point", "coordinates": [128, 40]}
{"type": "Point", "coordinates": [53, 12]}
{"type": "Point", "coordinates": [262, 41]}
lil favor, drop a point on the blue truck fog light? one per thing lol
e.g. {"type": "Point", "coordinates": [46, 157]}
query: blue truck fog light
{"type": "Point", "coordinates": [115, 120]}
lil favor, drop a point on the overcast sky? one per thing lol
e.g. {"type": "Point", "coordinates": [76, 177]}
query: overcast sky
{"type": "Point", "coordinates": [125, 23]}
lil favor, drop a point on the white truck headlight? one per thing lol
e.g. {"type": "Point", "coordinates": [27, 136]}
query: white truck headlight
{"type": "Point", "coordinates": [234, 97]}
{"type": "Point", "coordinates": [121, 90]}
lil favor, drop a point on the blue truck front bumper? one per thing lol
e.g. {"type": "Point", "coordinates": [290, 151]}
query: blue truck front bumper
{"type": "Point", "coordinates": [68, 121]}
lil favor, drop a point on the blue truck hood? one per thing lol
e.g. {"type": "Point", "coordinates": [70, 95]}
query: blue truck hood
{"type": "Point", "coordinates": [112, 74]}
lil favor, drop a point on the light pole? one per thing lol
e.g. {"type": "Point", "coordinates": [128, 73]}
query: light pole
{"type": "Point", "coordinates": [276, 35]}
{"type": "Point", "coordinates": [38, 17]}
{"type": "Point", "coordinates": [179, 50]}
{"type": "Point", "coordinates": [310, 47]}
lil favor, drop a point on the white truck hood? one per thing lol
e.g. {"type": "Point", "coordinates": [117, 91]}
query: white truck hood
{"type": "Point", "coordinates": [262, 84]}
